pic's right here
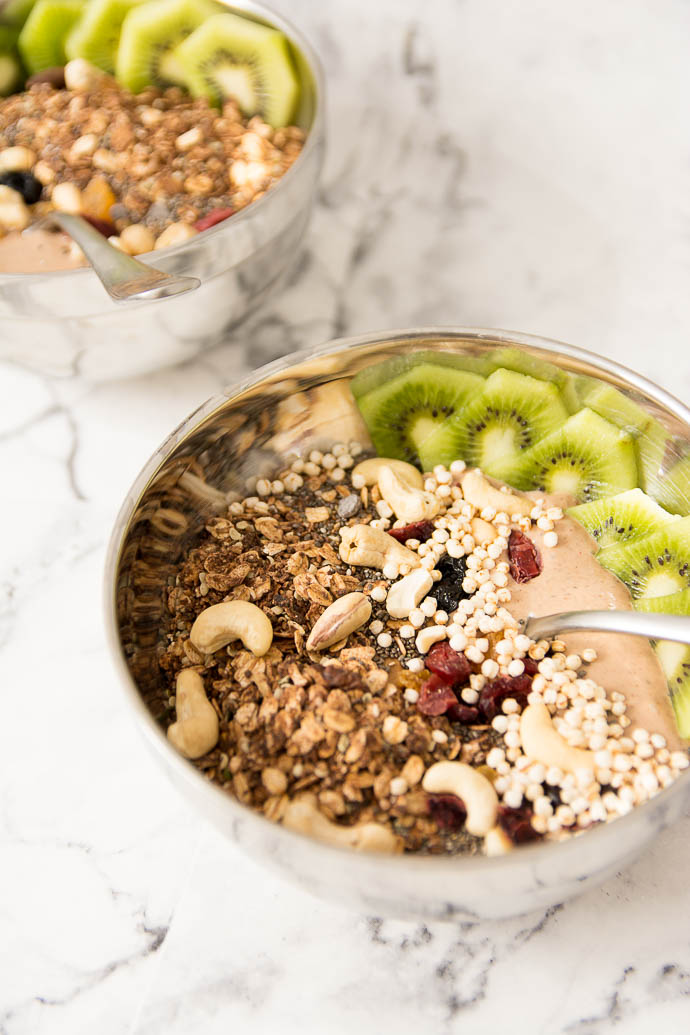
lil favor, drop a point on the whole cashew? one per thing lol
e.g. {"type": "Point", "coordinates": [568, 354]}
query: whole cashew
{"type": "Point", "coordinates": [406, 594]}
{"type": "Point", "coordinates": [408, 504]}
{"type": "Point", "coordinates": [370, 547]}
{"type": "Point", "coordinates": [219, 624]}
{"type": "Point", "coordinates": [370, 469]}
{"type": "Point", "coordinates": [196, 731]}
{"type": "Point", "coordinates": [482, 531]}
{"type": "Point", "coordinates": [340, 619]}
{"type": "Point", "coordinates": [478, 795]}
{"type": "Point", "coordinates": [542, 742]}
{"type": "Point", "coordinates": [481, 493]}
{"type": "Point", "coordinates": [303, 816]}
{"type": "Point", "coordinates": [497, 842]}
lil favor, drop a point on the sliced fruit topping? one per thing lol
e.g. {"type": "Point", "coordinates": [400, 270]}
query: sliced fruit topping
{"type": "Point", "coordinates": [672, 604]}
{"type": "Point", "coordinates": [448, 664]}
{"type": "Point", "coordinates": [379, 373]}
{"type": "Point", "coordinates": [614, 406]}
{"type": "Point", "coordinates": [96, 35]}
{"type": "Point", "coordinates": [150, 34]}
{"type": "Point", "coordinates": [523, 362]}
{"type": "Point", "coordinates": [674, 659]}
{"type": "Point", "coordinates": [674, 487]}
{"type": "Point", "coordinates": [42, 39]}
{"type": "Point", "coordinates": [229, 56]}
{"type": "Point", "coordinates": [10, 73]}
{"type": "Point", "coordinates": [511, 413]}
{"type": "Point", "coordinates": [403, 412]}
{"type": "Point", "coordinates": [656, 566]}
{"type": "Point", "coordinates": [624, 518]}
{"type": "Point", "coordinates": [525, 562]}
{"type": "Point", "coordinates": [586, 458]}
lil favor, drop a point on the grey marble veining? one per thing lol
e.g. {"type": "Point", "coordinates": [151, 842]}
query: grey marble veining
{"type": "Point", "coordinates": [502, 165]}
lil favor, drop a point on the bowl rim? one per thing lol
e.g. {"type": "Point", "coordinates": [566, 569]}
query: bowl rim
{"type": "Point", "coordinates": [459, 865]}
{"type": "Point", "coordinates": [312, 140]}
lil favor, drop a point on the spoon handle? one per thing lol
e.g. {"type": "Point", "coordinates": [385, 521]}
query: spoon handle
{"type": "Point", "coordinates": [123, 277]}
{"type": "Point", "coordinates": [636, 623]}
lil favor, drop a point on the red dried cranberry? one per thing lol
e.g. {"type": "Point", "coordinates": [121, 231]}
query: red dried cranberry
{"type": "Point", "coordinates": [531, 666]}
{"type": "Point", "coordinates": [447, 663]}
{"type": "Point", "coordinates": [464, 713]}
{"type": "Point", "coordinates": [516, 823]}
{"type": "Point", "coordinates": [436, 697]}
{"type": "Point", "coordinates": [495, 692]}
{"type": "Point", "coordinates": [217, 215]}
{"type": "Point", "coordinates": [525, 562]}
{"type": "Point", "coordinates": [104, 226]}
{"type": "Point", "coordinates": [447, 811]}
{"type": "Point", "coordinates": [419, 530]}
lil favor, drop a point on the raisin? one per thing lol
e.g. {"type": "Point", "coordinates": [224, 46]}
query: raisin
{"type": "Point", "coordinates": [465, 714]}
{"type": "Point", "coordinates": [436, 697]}
{"type": "Point", "coordinates": [447, 811]}
{"type": "Point", "coordinates": [25, 183]}
{"type": "Point", "coordinates": [516, 824]}
{"type": "Point", "coordinates": [525, 562]}
{"type": "Point", "coordinates": [419, 530]}
{"type": "Point", "coordinates": [448, 592]}
{"type": "Point", "coordinates": [531, 666]}
{"type": "Point", "coordinates": [495, 692]}
{"type": "Point", "coordinates": [447, 663]}
{"type": "Point", "coordinates": [217, 215]}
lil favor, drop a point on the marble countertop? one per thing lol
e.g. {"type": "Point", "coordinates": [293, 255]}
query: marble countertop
{"type": "Point", "coordinates": [520, 166]}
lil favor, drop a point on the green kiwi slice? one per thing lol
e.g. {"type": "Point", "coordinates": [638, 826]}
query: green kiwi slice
{"type": "Point", "coordinates": [11, 74]}
{"type": "Point", "coordinates": [624, 518]}
{"type": "Point", "coordinates": [150, 34]}
{"type": "Point", "coordinates": [656, 566]}
{"type": "Point", "coordinates": [587, 457]}
{"type": "Point", "coordinates": [511, 413]}
{"type": "Point", "coordinates": [42, 39]}
{"type": "Point", "coordinates": [615, 407]}
{"type": "Point", "coordinates": [674, 657]}
{"type": "Point", "coordinates": [96, 35]}
{"type": "Point", "coordinates": [673, 490]}
{"type": "Point", "coordinates": [378, 374]}
{"type": "Point", "coordinates": [511, 358]}
{"type": "Point", "coordinates": [229, 56]}
{"type": "Point", "coordinates": [15, 12]}
{"type": "Point", "coordinates": [403, 412]}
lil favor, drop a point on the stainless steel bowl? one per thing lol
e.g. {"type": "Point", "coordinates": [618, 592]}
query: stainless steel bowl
{"type": "Point", "coordinates": [298, 403]}
{"type": "Point", "coordinates": [63, 323]}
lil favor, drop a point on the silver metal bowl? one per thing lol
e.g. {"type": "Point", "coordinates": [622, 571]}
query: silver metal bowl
{"type": "Point", "coordinates": [298, 403]}
{"type": "Point", "coordinates": [63, 323]}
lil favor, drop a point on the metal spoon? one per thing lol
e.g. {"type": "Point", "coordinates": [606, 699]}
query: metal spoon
{"type": "Point", "coordinates": [123, 277]}
{"type": "Point", "coordinates": [637, 623]}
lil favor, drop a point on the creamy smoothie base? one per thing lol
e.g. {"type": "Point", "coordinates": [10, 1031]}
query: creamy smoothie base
{"type": "Point", "coordinates": [375, 690]}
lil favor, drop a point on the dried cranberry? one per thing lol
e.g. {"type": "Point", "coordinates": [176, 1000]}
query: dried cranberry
{"type": "Point", "coordinates": [419, 530]}
{"type": "Point", "coordinates": [531, 666]}
{"type": "Point", "coordinates": [516, 824]}
{"type": "Point", "coordinates": [104, 226]}
{"type": "Point", "coordinates": [465, 714]}
{"type": "Point", "coordinates": [445, 662]}
{"type": "Point", "coordinates": [495, 692]}
{"type": "Point", "coordinates": [447, 811]}
{"type": "Point", "coordinates": [436, 697]}
{"type": "Point", "coordinates": [217, 215]}
{"type": "Point", "coordinates": [525, 562]}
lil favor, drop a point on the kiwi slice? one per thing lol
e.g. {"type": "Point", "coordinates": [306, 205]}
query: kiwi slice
{"type": "Point", "coordinates": [42, 39]}
{"type": "Point", "coordinates": [624, 518]}
{"type": "Point", "coordinates": [587, 457]}
{"type": "Point", "coordinates": [674, 657]}
{"type": "Point", "coordinates": [379, 373]}
{"type": "Point", "coordinates": [15, 12]}
{"type": "Point", "coordinates": [403, 412]}
{"type": "Point", "coordinates": [95, 37]}
{"type": "Point", "coordinates": [150, 33]}
{"type": "Point", "coordinates": [230, 56]}
{"type": "Point", "coordinates": [522, 362]}
{"type": "Point", "coordinates": [673, 490]}
{"type": "Point", "coordinates": [615, 407]}
{"type": "Point", "coordinates": [510, 414]}
{"type": "Point", "coordinates": [656, 566]}
{"type": "Point", "coordinates": [11, 74]}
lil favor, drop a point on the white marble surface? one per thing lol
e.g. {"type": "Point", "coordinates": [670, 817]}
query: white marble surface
{"type": "Point", "coordinates": [510, 165]}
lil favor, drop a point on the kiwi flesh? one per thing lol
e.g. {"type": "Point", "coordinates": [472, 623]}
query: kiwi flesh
{"type": "Point", "coordinates": [586, 458]}
{"type": "Point", "coordinates": [511, 413]}
{"type": "Point", "coordinates": [523, 362]}
{"type": "Point", "coordinates": [96, 35]}
{"type": "Point", "coordinates": [673, 490]}
{"type": "Point", "coordinates": [624, 518]}
{"type": "Point", "coordinates": [42, 39]}
{"type": "Point", "coordinates": [233, 57]}
{"type": "Point", "coordinates": [403, 412]}
{"type": "Point", "coordinates": [615, 407]}
{"type": "Point", "coordinates": [150, 34]}
{"type": "Point", "coordinates": [378, 374]}
{"type": "Point", "coordinates": [15, 12]}
{"type": "Point", "coordinates": [656, 566]}
{"type": "Point", "coordinates": [11, 74]}
{"type": "Point", "coordinates": [674, 658]}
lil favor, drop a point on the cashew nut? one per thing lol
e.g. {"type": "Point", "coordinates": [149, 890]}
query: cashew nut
{"type": "Point", "coordinates": [303, 816]}
{"type": "Point", "coordinates": [343, 616]}
{"type": "Point", "coordinates": [219, 624]}
{"type": "Point", "coordinates": [370, 469]}
{"type": "Point", "coordinates": [481, 493]}
{"type": "Point", "coordinates": [369, 547]}
{"type": "Point", "coordinates": [196, 731]}
{"type": "Point", "coordinates": [408, 504]}
{"type": "Point", "coordinates": [477, 793]}
{"type": "Point", "coordinates": [542, 742]}
{"type": "Point", "coordinates": [406, 594]}
{"type": "Point", "coordinates": [428, 636]}
{"type": "Point", "coordinates": [482, 531]}
{"type": "Point", "coordinates": [497, 842]}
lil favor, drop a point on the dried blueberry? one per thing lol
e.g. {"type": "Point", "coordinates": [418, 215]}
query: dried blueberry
{"type": "Point", "coordinates": [449, 592]}
{"type": "Point", "coordinates": [25, 183]}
